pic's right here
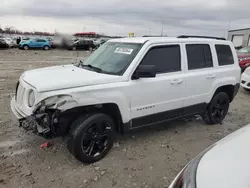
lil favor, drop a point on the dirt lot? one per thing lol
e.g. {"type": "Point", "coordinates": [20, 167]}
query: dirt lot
{"type": "Point", "coordinates": [149, 158]}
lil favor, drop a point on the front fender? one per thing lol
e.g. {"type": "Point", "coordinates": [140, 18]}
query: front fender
{"type": "Point", "coordinates": [66, 102]}
{"type": "Point", "coordinates": [59, 102]}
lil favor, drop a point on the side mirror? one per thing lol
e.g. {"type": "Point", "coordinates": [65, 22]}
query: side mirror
{"type": "Point", "coordinates": [144, 71]}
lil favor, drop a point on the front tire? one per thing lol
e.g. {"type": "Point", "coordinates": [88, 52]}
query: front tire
{"type": "Point", "coordinates": [217, 109]}
{"type": "Point", "coordinates": [91, 137]}
{"type": "Point", "coordinates": [25, 47]}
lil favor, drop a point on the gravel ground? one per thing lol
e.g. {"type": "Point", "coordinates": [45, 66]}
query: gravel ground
{"type": "Point", "coordinates": [150, 157]}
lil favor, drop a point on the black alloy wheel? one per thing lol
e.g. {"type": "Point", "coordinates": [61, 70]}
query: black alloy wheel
{"type": "Point", "coordinates": [91, 137]}
{"type": "Point", "coordinates": [97, 139]}
{"type": "Point", "coordinates": [217, 109]}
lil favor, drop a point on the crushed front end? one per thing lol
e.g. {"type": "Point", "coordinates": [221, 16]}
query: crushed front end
{"type": "Point", "coordinates": [49, 118]}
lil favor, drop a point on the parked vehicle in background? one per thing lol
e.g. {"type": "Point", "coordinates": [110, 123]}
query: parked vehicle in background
{"type": "Point", "coordinates": [99, 42]}
{"type": "Point", "coordinates": [34, 44]}
{"type": "Point", "coordinates": [245, 79]}
{"type": "Point", "coordinates": [225, 164]}
{"type": "Point", "coordinates": [244, 57]}
{"type": "Point", "coordinates": [3, 43]}
{"type": "Point", "coordinates": [11, 43]}
{"type": "Point", "coordinates": [126, 84]}
{"type": "Point", "coordinates": [82, 45]}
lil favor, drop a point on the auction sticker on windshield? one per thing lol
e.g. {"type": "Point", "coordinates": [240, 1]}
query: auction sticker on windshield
{"type": "Point", "coordinates": [124, 50]}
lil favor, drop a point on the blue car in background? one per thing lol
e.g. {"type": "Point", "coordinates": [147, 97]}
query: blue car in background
{"type": "Point", "coordinates": [35, 43]}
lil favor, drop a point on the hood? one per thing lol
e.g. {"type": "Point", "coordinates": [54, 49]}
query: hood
{"type": "Point", "coordinates": [65, 76]}
{"type": "Point", "coordinates": [227, 164]}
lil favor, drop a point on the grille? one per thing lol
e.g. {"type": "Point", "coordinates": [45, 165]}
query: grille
{"type": "Point", "coordinates": [19, 94]}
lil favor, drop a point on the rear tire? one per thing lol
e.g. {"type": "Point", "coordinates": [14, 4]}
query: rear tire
{"type": "Point", "coordinates": [25, 47]}
{"type": "Point", "coordinates": [91, 137]}
{"type": "Point", "coordinates": [46, 47]}
{"type": "Point", "coordinates": [217, 109]}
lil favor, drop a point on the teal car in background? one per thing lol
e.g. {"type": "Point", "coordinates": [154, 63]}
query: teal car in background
{"type": "Point", "coordinates": [34, 44]}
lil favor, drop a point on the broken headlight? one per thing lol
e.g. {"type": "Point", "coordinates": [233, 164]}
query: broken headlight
{"type": "Point", "coordinates": [31, 98]}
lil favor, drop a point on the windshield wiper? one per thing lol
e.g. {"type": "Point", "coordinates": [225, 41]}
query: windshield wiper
{"type": "Point", "coordinates": [96, 69]}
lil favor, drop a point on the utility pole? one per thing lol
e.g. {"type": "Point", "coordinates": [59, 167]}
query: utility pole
{"type": "Point", "coordinates": [162, 24]}
{"type": "Point", "coordinates": [228, 28]}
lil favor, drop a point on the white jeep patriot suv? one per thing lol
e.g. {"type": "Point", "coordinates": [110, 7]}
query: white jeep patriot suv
{"type": "Point", "coordinates": [126, 84]}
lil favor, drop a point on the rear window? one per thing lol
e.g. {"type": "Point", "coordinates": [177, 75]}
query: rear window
{"type": "Point", "coordinates": [224, 54]}
{"type": "Point", "coordinates": [199, 56]}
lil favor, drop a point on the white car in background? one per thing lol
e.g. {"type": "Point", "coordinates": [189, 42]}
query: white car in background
{"type": "Point", "coordinates": [245, 79]}
{"type": "Point", "coordinates": [225, 164]}
{"type": "Point", "coordinates": [11, 43]}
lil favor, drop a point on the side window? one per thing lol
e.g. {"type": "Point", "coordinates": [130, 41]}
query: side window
{"type": "Point", "coordinates": [165, 58]}
{"type": "Point", "coordinates": [40, 40]}
{"type": "Point", "coordinates": [224, 54]}
{"type": "Point", "coordinates": [199, 56]}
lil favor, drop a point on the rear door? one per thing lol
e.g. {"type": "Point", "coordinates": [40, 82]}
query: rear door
{"type": "Point", "coordinates": [200, 75]}
{"type": "Point", "coordinates": [40, 43]}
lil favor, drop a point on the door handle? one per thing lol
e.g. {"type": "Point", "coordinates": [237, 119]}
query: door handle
{"type": "Point", "coordinates": [176, 81]}
{"type": "Point", "coordinates": [211, 76]}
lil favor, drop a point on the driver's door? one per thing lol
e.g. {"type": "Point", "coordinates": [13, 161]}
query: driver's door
{"type": "Point", "coordinates": [159, 98]}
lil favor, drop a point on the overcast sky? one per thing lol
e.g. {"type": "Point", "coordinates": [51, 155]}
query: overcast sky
{"type": "Point", "coordinates": [118, 17]}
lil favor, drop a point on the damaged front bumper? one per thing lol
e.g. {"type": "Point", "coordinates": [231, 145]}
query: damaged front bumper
{"type": "Point", "coordinates": [32, 122]}
{"type": "Point", "coordinates": [50, 117]}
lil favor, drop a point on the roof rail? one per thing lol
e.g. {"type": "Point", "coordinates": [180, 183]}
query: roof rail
{"type": "Point", "coordinates": [206, 37]}
{"type": "Point", "coordinates": [153, 36]}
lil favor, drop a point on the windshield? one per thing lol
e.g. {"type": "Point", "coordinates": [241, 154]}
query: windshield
{"type": "Point", "coordinates": [113, 57]}
{"type": "Point", "coordinates": [245, 50]}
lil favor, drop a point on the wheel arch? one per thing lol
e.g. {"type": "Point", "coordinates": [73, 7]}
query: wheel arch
{"type": "Point", "coordinates": [46, 45]}
{"type": "Point", "coordinates": [228, 89]}
{"type": "Point", "coordinates": [67, 117]}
